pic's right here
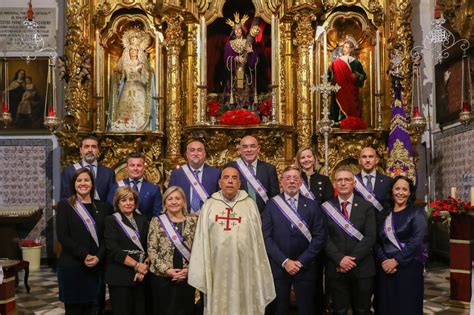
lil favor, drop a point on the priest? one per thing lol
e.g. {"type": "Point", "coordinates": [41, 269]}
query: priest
{"type": "Point", "coordinates": [229, 263]}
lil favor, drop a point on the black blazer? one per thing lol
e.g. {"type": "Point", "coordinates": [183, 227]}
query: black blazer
{"type": "Point", "coordinates": [74, 237]}
{"type": "Point", "coordinates": [339, 244]}
{"type": "Point", "coordinates": [267, 175]}
{"type": "Point", "coordinates": [383, 184]}
{"type": "Point", "coordinates": [320, 186]}
{"type": "Point", "coordinates": [116, 241]}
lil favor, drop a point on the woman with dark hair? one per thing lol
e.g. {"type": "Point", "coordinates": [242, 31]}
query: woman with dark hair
{"type": "Point", "coordinates": [169, 245]}
{"type": "Point", "coordinates": [400, 253]}
{"type": "Point", "coordinates": [80, 226]}
{"type": "Point", "coordinates": [126, 234]}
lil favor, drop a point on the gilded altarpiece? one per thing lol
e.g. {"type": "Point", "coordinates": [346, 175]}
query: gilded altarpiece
{"type": "Point", "coordinates": [179, 94]}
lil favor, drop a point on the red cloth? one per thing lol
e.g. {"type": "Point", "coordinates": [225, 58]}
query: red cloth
{"type": "Point", "coordinates": [348, 95]}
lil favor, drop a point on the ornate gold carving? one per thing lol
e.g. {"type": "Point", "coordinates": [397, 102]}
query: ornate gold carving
{"type": "Point", "coordinates": [191, 67]}
{"type": "Point", "coordinates": [304, 40]}
{"type": "Point", "coordinates": [345, 146]}
{"type": "Point", "coordinates": [77, 51]}
{"type": "Point", "coordinates": [460, 16]}
{"type": "Point", "coordinates": [213, 9]}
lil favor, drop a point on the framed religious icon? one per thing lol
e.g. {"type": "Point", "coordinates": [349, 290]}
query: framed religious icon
{"type": "Point", "coordinates": [23, 90]}
{"type": "Point", "coordinates": [449, 87]}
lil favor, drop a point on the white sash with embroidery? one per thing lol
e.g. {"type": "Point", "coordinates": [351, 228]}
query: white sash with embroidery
{"type": "Point", "coordinates": [174, 236]}
{"type": "Point", "coordinates": [304, 189]}
{"type": "Point", "coordinates": [293, 217]}
{"type": "Point", "coordinates": [87, 219]}
{"type": "Point", "coordinates": [198, 188]}
{"type": "Point", "coordinates": [252, 180]}
{"type": "Point", "coordinates": [79, 166]}
{"type": "Point", "coordinates": [344, 223]}
{"type": "Point", "coordinates": [132, 234]}
{"type": "Point", "coordinates": [370, 197]}
{"type": "Point", "coordinates": [390, 232]}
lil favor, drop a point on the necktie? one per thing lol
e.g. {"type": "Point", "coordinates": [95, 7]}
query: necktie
{"type": "Point", "coordinates": [292, 202]}
{"type": "Point", "coordinates": [250, 189]}
{"type": "Point", "coordinates": [369, 185]}
{"type": "Point", "coordinates": [344, 209]}
{"type": "Point", "coordinates": [91, 168]}
{"type": "Point", "coordinates": [195, 200]}
{"type": "Point", "coordinates": [135, 185]}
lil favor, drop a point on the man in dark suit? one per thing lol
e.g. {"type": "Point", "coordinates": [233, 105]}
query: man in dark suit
{"type": "Point", "coordinates": [351, 236]}
{"type": "Point", "coordinates": [149, 194]}
{"type": "Point", "coordinates": [198, 172]}
{"type": "Point", "coordinates": [375, 182]}
{"type": "Point", "coordinates": [265, 173]}
{"type": "Point", "coordinates": [293, 243]}
{"type": "Point", "coordinates": [104, 177]}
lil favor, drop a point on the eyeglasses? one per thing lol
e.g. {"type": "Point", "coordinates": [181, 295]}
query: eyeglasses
{"type": "Point", "coordinates": [344, 179]}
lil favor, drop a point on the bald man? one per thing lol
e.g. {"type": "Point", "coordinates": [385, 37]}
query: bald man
{"type": "Point", "coordinates": [258, 178]}
{"type": "Point", "coordinates": [373, 183]}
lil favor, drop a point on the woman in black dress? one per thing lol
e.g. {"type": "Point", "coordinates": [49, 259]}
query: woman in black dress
{"type": "Point", "coordinates": [80, 226]}
{"type": "Point", "coordinates": [126, 234]}
{"type": "Point", "coordinates": [400, 253]}
{"type": "Point", "coordinates": [169, 260]}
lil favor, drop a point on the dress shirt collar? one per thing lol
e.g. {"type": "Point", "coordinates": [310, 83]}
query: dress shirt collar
{"type": "Point", "coordinates": [296, 197]}
{"type": "Point", "coordinates": [364, 173]}
{"type": "Point", "coordinates": [84, 163]}
{"type": "Point", "coordinates": [350, 199]}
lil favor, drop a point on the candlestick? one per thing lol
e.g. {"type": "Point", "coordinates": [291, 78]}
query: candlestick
{"type": "Point", "coordinates": [453, 192]}
{"type": "Point", "coordinates": [7, 95]}
{"type": "Point", "coordinates": [377, 61]}
{"type": "Point", "coordinates": [325, 44]}
{"type": "Point", "coordinates": [472, 196]}
{"type": "Point", "coordinates": [203, 50]}
{"type": "Point", "coordinates": [97, 53]}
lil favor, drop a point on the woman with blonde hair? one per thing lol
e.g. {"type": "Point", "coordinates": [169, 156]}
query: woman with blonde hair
{"type": "Point", "coordinates": [126, 234]}
{"type": "Point", "coordinates": [169, 245]}
{"type": "Point", "coordinates": [317, 187]}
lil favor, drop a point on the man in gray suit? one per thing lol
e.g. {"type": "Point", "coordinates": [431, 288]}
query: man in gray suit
{"type": "Point", "coordinates": [351, 236]}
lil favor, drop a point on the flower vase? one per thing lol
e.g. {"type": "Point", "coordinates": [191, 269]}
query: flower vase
{"type": "Point", "coordinates": [32, 255]}
{"type": "Point", "coordinates": [213, 120]}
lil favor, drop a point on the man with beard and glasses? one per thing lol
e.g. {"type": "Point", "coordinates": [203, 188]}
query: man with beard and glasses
{"type": "Point", "coordinates": [197, 179]}
{"type": "Point", "coordinates": [104, 177]}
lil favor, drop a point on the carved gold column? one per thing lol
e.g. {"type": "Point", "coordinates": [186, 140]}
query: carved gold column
{"type": "Point", "coordinates": [78, 51]}
{"type": "Point", "coordinates": [173, 43]}
{"type": "Point", "coordinates": [304, 37]}
{"type": "Point", "coordinates": [191, 90]}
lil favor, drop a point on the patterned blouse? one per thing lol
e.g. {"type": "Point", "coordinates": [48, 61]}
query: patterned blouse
{"type": "Point", "coordinates": [160, 248]}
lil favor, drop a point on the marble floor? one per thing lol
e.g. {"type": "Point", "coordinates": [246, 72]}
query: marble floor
{"type": "Point", "coordinates": [43, 298]}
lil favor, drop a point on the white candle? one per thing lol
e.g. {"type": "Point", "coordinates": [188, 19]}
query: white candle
{"type": "Point", "coordinates": [274, 50]}
{"type": "Point", "coordinates": [157, 50]}
{"type": "Point", "coordinates": [377, 62]}
{"type": "Point", "coordinates": [203, 50]}
{"type": "Point", "coordinates": [325, 44]}
{"type": "Point", "coordinates": [472, 196]}
{"type": "Point", "coordinates": [97, 62]}
{"type": "Point", "coordinates": [453, 192]}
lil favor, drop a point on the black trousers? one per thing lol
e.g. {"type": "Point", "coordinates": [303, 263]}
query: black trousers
{"type": "Point", "coordinates": [127, 300]}
{"type": "Point", "coordinates": [80, 309]}
{"type": "Point", "coordinates": [348, 291]}
{"type": "Point", "coordinates": [304, 292]}
{"type": "Point", "coordinates": [172, 298]}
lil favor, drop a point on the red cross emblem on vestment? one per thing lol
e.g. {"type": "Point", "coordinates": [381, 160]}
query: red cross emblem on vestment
{"type": "Point", "coordinates": [231, 217]}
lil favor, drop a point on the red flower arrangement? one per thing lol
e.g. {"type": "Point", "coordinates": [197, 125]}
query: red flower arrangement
{"type": "Point", "coordinates": [214, 108]}
{"type": "Point", "coordinates": [265, 107]}
{"type": "Point", "coordinates": [353, 123]}
{"type": "Point", "coordinates": [28, 243]}
{"type": "Point", "coordinates": [239, 117]}
{"type": "Point", "coordinates": [444, 208]}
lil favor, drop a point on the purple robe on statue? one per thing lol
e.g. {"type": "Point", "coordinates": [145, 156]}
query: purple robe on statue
{"type": "Point", "coordinates": [243, 97]}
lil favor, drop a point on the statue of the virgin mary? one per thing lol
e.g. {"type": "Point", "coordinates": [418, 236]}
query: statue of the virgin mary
{"type": "Point", "coordinates": [131, 105]}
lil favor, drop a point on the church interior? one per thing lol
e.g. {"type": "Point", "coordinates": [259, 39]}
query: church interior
{"type": "Point", "coordinates": [146, 76]}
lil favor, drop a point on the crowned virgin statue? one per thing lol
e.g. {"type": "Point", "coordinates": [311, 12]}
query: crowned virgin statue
{"type": "Point", "coordinates": [131, 106]}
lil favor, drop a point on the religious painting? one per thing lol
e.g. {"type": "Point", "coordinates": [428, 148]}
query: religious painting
{"type": "Point", "coordinates": [239, 58]}
{"type": "Point", "coordinates": [23, 90]}
{"type": "Point", "coordinates": [449, 93]}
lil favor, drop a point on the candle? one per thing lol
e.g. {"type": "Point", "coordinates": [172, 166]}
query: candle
{"type": "Point", "coordinates": [274, 52]}
{"type": "Point", "coordinates": [472, 196]}
{"type": "Point", "coordinates": [377, 61]}
{"type": "Point", "coordinates": [325, 44]}
{"type": "Point", "coordinates": [203, 50]}
{"type": "Point", "coordinates": [157, 53]}
{"type": "Point", "coordinates": [97, 53]}
{"type": "Point", "coordinates": [453, 192]}
{"type": "Point", "coordinates": [6, 106]}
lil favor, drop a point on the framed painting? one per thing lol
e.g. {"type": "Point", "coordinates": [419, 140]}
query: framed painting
{"type": "Point", "coordinates": [25, 84]}
{"type": "Point", "coordinates": [448, 81]}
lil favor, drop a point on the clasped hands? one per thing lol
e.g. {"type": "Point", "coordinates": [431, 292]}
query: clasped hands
{"type": "Point", "coordinates": [177, 275]}
{"type": "Point", "coordinates": [293, 266]}
{"type": "Point", "coordinates": [141, 269]}
{"type": "Point", "coordinates": [91, 260]}
{"type": "Point", "coordinates": [390, 265]}
{"type": "Point", "coordinates": [346, 264]}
